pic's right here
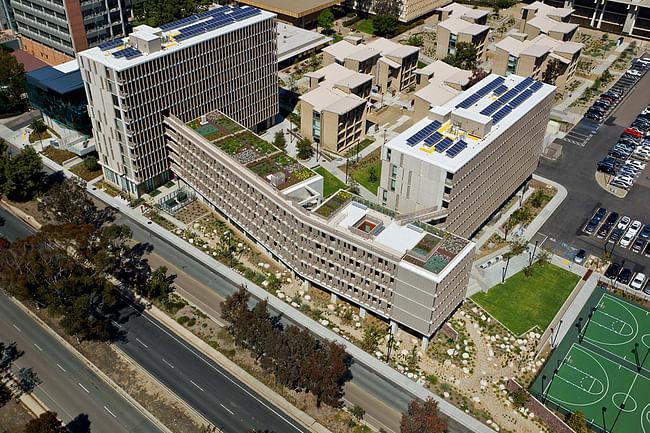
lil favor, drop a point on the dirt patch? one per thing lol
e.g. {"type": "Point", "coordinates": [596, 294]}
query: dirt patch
{"type": "Point", "coordinates": [30, 208]}
{"type": "Point", "coordinates": [14, 416]}
{"type": "Point", "coordinates": [58, 155]}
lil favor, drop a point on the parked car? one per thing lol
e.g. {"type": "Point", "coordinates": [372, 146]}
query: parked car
{"type": "Point", "coordinates": [604, 230]}
{"type": "Point", "coordinates": [591, 225]}
{"type": "Point", "coordinates": [612, 218]}
{"type": "Point", "coordinates": [638, 281]}
{"type": "Point", "coordinates": [624, 222]}
{"type": "Point", "coordinates": [633, 132]}
{"type": "Point", "coordinates": [616, 235]}
{"type": "Point", "coordinates": [633, 73]}
{"type": "Point", "coordinates": [638, 244]}
{"type": "Point", "coordinates": [580, 256]}
{"type": "Point", "coordinates": [612, 271]}
{"type": "Point", "coordinates": [624, 276]}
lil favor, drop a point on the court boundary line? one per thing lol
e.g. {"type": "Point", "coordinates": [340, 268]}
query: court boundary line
{"type": "Point", "coordinates": [636, 322]}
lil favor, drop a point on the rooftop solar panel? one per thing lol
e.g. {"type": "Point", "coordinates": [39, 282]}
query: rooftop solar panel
{"type": "Point", "coordinates": [444, 144]}
{"type": "Point", "coordinates": [110, 44]}
{"type": "Point", "coordinates": [501, 114]}
{"type": "Point", "coordinates": [500, 90]}
{"type": "Point", "coordinates": [536, 86]}
{"type": "Point", "coordinates": [423, 133]}
{"type": "Point", "coordinates": [521, 98]}
{"type": "Point", "coordinates": [433, 139]}
{"type": "Point", "coordinates": [487, 111]}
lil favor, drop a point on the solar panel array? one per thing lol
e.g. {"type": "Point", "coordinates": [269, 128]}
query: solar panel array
{"type": "Point", "coordinates": [487, 111]}
{"type": "Point", "coordinates": [476, 96]}
{"type": "Point", "coordinates": [433, 139]}
{"type": "Point", "coordinates": [210, 20]}
{"type": "Point", "coordinates": [423, 133]}
{"type": "Point", "coordinates": [500, 90]}
{"type": "Point", "coordinates": [521, 98]}
{"type": "Point", "coordinates": [444, 144]}
{"type": "Point", "coordinates": [456, 148]}
{"type": "Point", "coordinates": [110, 44]}
{"type": "Point", "coordinates": [536, 86]}
{"type": "Point", "coordinates": [498, 117]}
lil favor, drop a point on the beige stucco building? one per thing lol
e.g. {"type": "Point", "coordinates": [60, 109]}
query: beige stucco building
{"type": "Point", "coordinates": [538, 18]}
{"type": "Point", "coordinates": [393, 65]}
{"type": "Point", "coordinates": [225, 58]}
{"type": "Point", "coordinates": [532, 58]}
{"type": "Point", "coordinates": [459, 165]}
{"type": "Point", "coordinates": [409, 10]}
{"type": "Point", "coordinates": [436, 84]}
{"type": "Point", "coordinates": [457, 10]}
{"type": "Point", "coordinates": [333, 112]}
{"type": "Point", "coordinates": [455, 30]}
{"type": "Point", "coordinates": [411, 274]}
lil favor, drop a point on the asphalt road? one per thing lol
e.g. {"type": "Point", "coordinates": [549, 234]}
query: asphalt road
{"type": "Point", "coordinates": [575, 169]}
{"type": "Point", "coordinates": [11, 227]}
{"type": "Point", "coordinates": [68, 387]}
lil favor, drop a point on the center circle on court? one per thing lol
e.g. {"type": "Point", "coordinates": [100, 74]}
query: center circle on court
{"type": "Point", "coordinates": [620, 397]}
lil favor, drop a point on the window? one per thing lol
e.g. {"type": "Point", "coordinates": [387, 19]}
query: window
{"type": "Point", "coordinates": [385, 195]}
{"type": "Point", "coordinates": [392, 185]}
{"type": "Point", "coordinates": [451, 49]}
{"type": "Point", "coordinates": [315, 125]}
{"type": "Point", "coordinates": [511, 67]}
{"type": "Point", "coordinates": [388, 154]}
{"type": "Point", "coordinates": [394, 174]}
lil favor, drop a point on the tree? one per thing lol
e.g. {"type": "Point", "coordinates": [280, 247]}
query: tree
{"type": "Point", "coordinates": [577, 422]}
{"type": "Point", "coordinates": [279, 141]}
{"type": "Point", "coordinates": [477, 75]}
{"type": "Point", "coordinates": [353, 185]}
{"type": "Point", "coordinates": [358, 412]}
{"type": "Point", "coordinates": [259, 329]}
{"type": "Point", "coordinates": [12, 84]}
{"type": "Point", "coordinates": [47, 422]}
{"type": "Point", "coordinates": [156, 286]}
{"type": "Point", "coordinates": [27, 379]}
{"type": "Point", "coordinates": [517, 247]}
{"type": "Point", "coordinates": [464, 56]}
{"type": "Point", "coordinates": [315, 61]}
{"type": "Point", "coordinates": [325, 372]}
{"type": "Point", "coordinates": [422, 417]}
{"type": "Point", "coordinates": [304, 148]}
{"type": "Point", "coordinates": [385, 25]}
{"type": "Point", "coordinates": [415, 41]}
{"type": "Point", "coordinates": [519, 397]}
{"type": "Point", "coordinates": [22, 175]}
{"type": "Point", "coordinates": [528, 271]}
{"type": "Point", "coordinates": [68, 202]}
{"type": "Point", "coordinates": [326, 19]}
{"type": "Point", "coordinates": [554, 68]}
{"type": "Point", "coordinates": [234, 306]}
{"type": "Point", "coordinates": [90, 163]}
{"type": "Point", "coordinates": [39, 127]}
{"type": "Point", "coordinates": [286, 353]}
{"type": "Point", "coordinates": [372, 175]}
{"type": "Point", "coordinates": [544, 257]}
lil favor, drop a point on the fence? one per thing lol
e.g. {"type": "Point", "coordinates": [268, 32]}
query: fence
{"type": "Point", "coordinates": [176, 200]}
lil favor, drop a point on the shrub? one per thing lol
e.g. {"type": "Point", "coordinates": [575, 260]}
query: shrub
{"type": "Point", "coordinates": [90, 163]}
{"type": "Point", "coordinates": [183, 320]}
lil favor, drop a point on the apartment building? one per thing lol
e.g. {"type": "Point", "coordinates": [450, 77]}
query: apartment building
{"type": "Point", "coordinates": [225, 58]}
{"type": "Point", "coordinates": [333, 112]}
{"type": "Point", "coordinates": [455, 30]}
{"type": "Point", "coordinates": [457, 10]}
{"type": "Point", "coordinates": [408, 10]}
{"type": "Point", "coordinates": [55, 30]}
{"type": "Point", "coordinates": [538, 18]}
{"type": "Point", "coordinates": [298, 13]}
{"type": "Point", "coordinates": [459, 165]}
{"type": "Point", "coordinates": [532, 59]}
{"type": "Point", "coordinates": [393, 65]}
{"type": "Point", "coordinates": [436, 84]}
{"type": "Point", "coordinates": [413, 275]}
{"type": "Point", "coordinates": [629, 17]}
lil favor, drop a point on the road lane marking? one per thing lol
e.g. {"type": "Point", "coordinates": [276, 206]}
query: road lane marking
{"type": "Point", "coordinates": [17, 328]}
{"type": "Point", "coordinates": [116, 324]}
{"type": "Point", "coordinates": [202, 357]}
{"type": "Point", "coordinates": [192, 382]}
{"type": "Point", "coordinates": [84, 388]}
{"type": "Point", "coordinates": [138, 340]}
{"type": "Point", "coordinates": [229, 411]}
{"type": "Point", "coordinates": [62, 369]}
{"type": "Point", "coordinates": [38, 347]}
{"type": "Point", "coordinates": [109, 411]}
{"type": "Point", "coordinates": [165, 361]}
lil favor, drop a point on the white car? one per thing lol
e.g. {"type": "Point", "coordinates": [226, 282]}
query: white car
{"type": "Point", "coordinates": [634, 72]}
{"type": "Point", "coordinates": [638, 281]}
{"type": "Point", "coordinates": [630, 234]}
{"type": "Point", "coordinates": [637, 164]}
{"type": "Point", "coordinates": [635, 227]}
{"type": "Point", "coordinates": [624, 222]}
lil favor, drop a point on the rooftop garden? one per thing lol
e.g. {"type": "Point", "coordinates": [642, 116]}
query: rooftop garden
{"type": "Point", "coordinates": [426, 245]}
{"type": "Point", "coordinates": [260, 156]}
{"type": "Point", "coordinates": [436, 249]}
{"type": "Point", "coordinates": [337, 201]}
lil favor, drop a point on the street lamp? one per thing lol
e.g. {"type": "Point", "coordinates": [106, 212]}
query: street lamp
{"type": "Point", "coordinates": [530, 261]}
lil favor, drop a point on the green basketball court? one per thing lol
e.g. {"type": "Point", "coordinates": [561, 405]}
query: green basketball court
{"type": "Point", "coordinates": [595, 367]}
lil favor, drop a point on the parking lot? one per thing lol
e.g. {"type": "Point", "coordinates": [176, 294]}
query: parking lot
{"type": "Point", "coordinates": [563, 232]}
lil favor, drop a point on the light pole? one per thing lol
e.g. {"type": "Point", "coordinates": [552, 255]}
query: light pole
{"type": "Point", "coordinates": [604, 426]}
{"type": "Point", "coordinates": [505, 270]}
{"type": "Point", "coordinates": [636, 356]}
{"type": "Point", "coordinates": [530, 262]}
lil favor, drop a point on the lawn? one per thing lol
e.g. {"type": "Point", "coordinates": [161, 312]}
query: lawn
{"type": "Point", "coordinates": [523, 302]}
{"type": "Point", "coordinates": [84, 173]}
{"type": "Point", "coordinates": [363, 177]}
{"type": "Point", "coordinates": [331, 183]}
{"type": "Point", "coordinates": [365, 26]}
{"type": "Point", "coordinates": [58, 155]}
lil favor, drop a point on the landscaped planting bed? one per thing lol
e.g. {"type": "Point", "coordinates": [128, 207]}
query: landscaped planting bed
{"type": "Point", "coordinates": [333, 204]}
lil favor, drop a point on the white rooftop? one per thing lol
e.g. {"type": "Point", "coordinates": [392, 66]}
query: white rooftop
{"type": "Point", "coordinates": [66, 67]}
{"type": "Point", "coordinates": [458, 25]}
{"type": "Point", "coordinates": [293, 41]}
{"type": "Point", "coordinates": [473, 111]}
{"type": "Point", "coordinates": [458, 10]}
{"type": "Point", "coordinates": [172, 43]}
{"type": "Point", "coordinates": [538, 46]}
{"type": "Point", "coordinates": [324, 98]}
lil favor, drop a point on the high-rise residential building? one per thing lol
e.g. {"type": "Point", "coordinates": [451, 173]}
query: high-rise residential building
{"type": "Point", "coordinates": [410, 273]}
{"type": "Point", "coordinates": [54, 30]}
{"type": "Point", "coordinates": [459, 165]}
{"type": "Point", "coordinates": [222, 59]}
{"type": "Point", "coordinates": [630, 17]}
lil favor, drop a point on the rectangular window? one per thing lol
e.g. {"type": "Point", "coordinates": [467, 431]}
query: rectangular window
{"type": "Point", "coordinates": [394, 174]}
{"type": "Point", "coordinates": [388, 154]}
{"type": "Point", "coordinates": [512, 65]}
{"type": "Point", "coordinates": [392, 185]}
{"type": "Point", "coordinates": [385, 195]}
{"type": "Point", "coordinates": [315, 125]}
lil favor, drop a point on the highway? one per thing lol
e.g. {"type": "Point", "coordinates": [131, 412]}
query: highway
{"type": "Point", "coordinates": [68, 387]}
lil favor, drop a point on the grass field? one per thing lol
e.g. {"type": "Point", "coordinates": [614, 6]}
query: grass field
{"type": "Point", "coordinates": [331, 183]}
{"type": "Point", "coordinates": [365, 26]}
{"type": "Point", "coordinates": [523, 302]}
{"type": "Point", "coordinates": [363, 177]}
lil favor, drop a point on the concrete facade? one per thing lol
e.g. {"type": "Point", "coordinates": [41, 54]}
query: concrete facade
{"type": "Point", "coordinates": [55, 30]}
{"type": "Point", "coordinates": [461, 190]}
{"type": "Point", "coordinates": [233, 68]}
{"type": "Point", "coordinates": [409, 10]}
{"type": "Point", "coordinates": [538, 18]}
{"type": "Point", "coordinates": [455, 30]}
{"type": "Point", "coordinates": [363, 254]}
{"type": "Point", "coordinates": [532, 58]}
{"type": "Point", "coordinates": [436, 84]}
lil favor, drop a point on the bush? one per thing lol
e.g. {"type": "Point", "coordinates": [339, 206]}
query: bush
{"type": "Point", "coordinates": [352, 21]}
{"type": "Point", "coordinates": [90, 163]}
{"type": "Point", "coordinates": [181, 196]}
{"type": "Point", "coordinates": [183, 320]}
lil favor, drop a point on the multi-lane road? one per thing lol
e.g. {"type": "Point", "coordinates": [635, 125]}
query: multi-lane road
{"type": "Point", "coordinates": [68, 386]}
